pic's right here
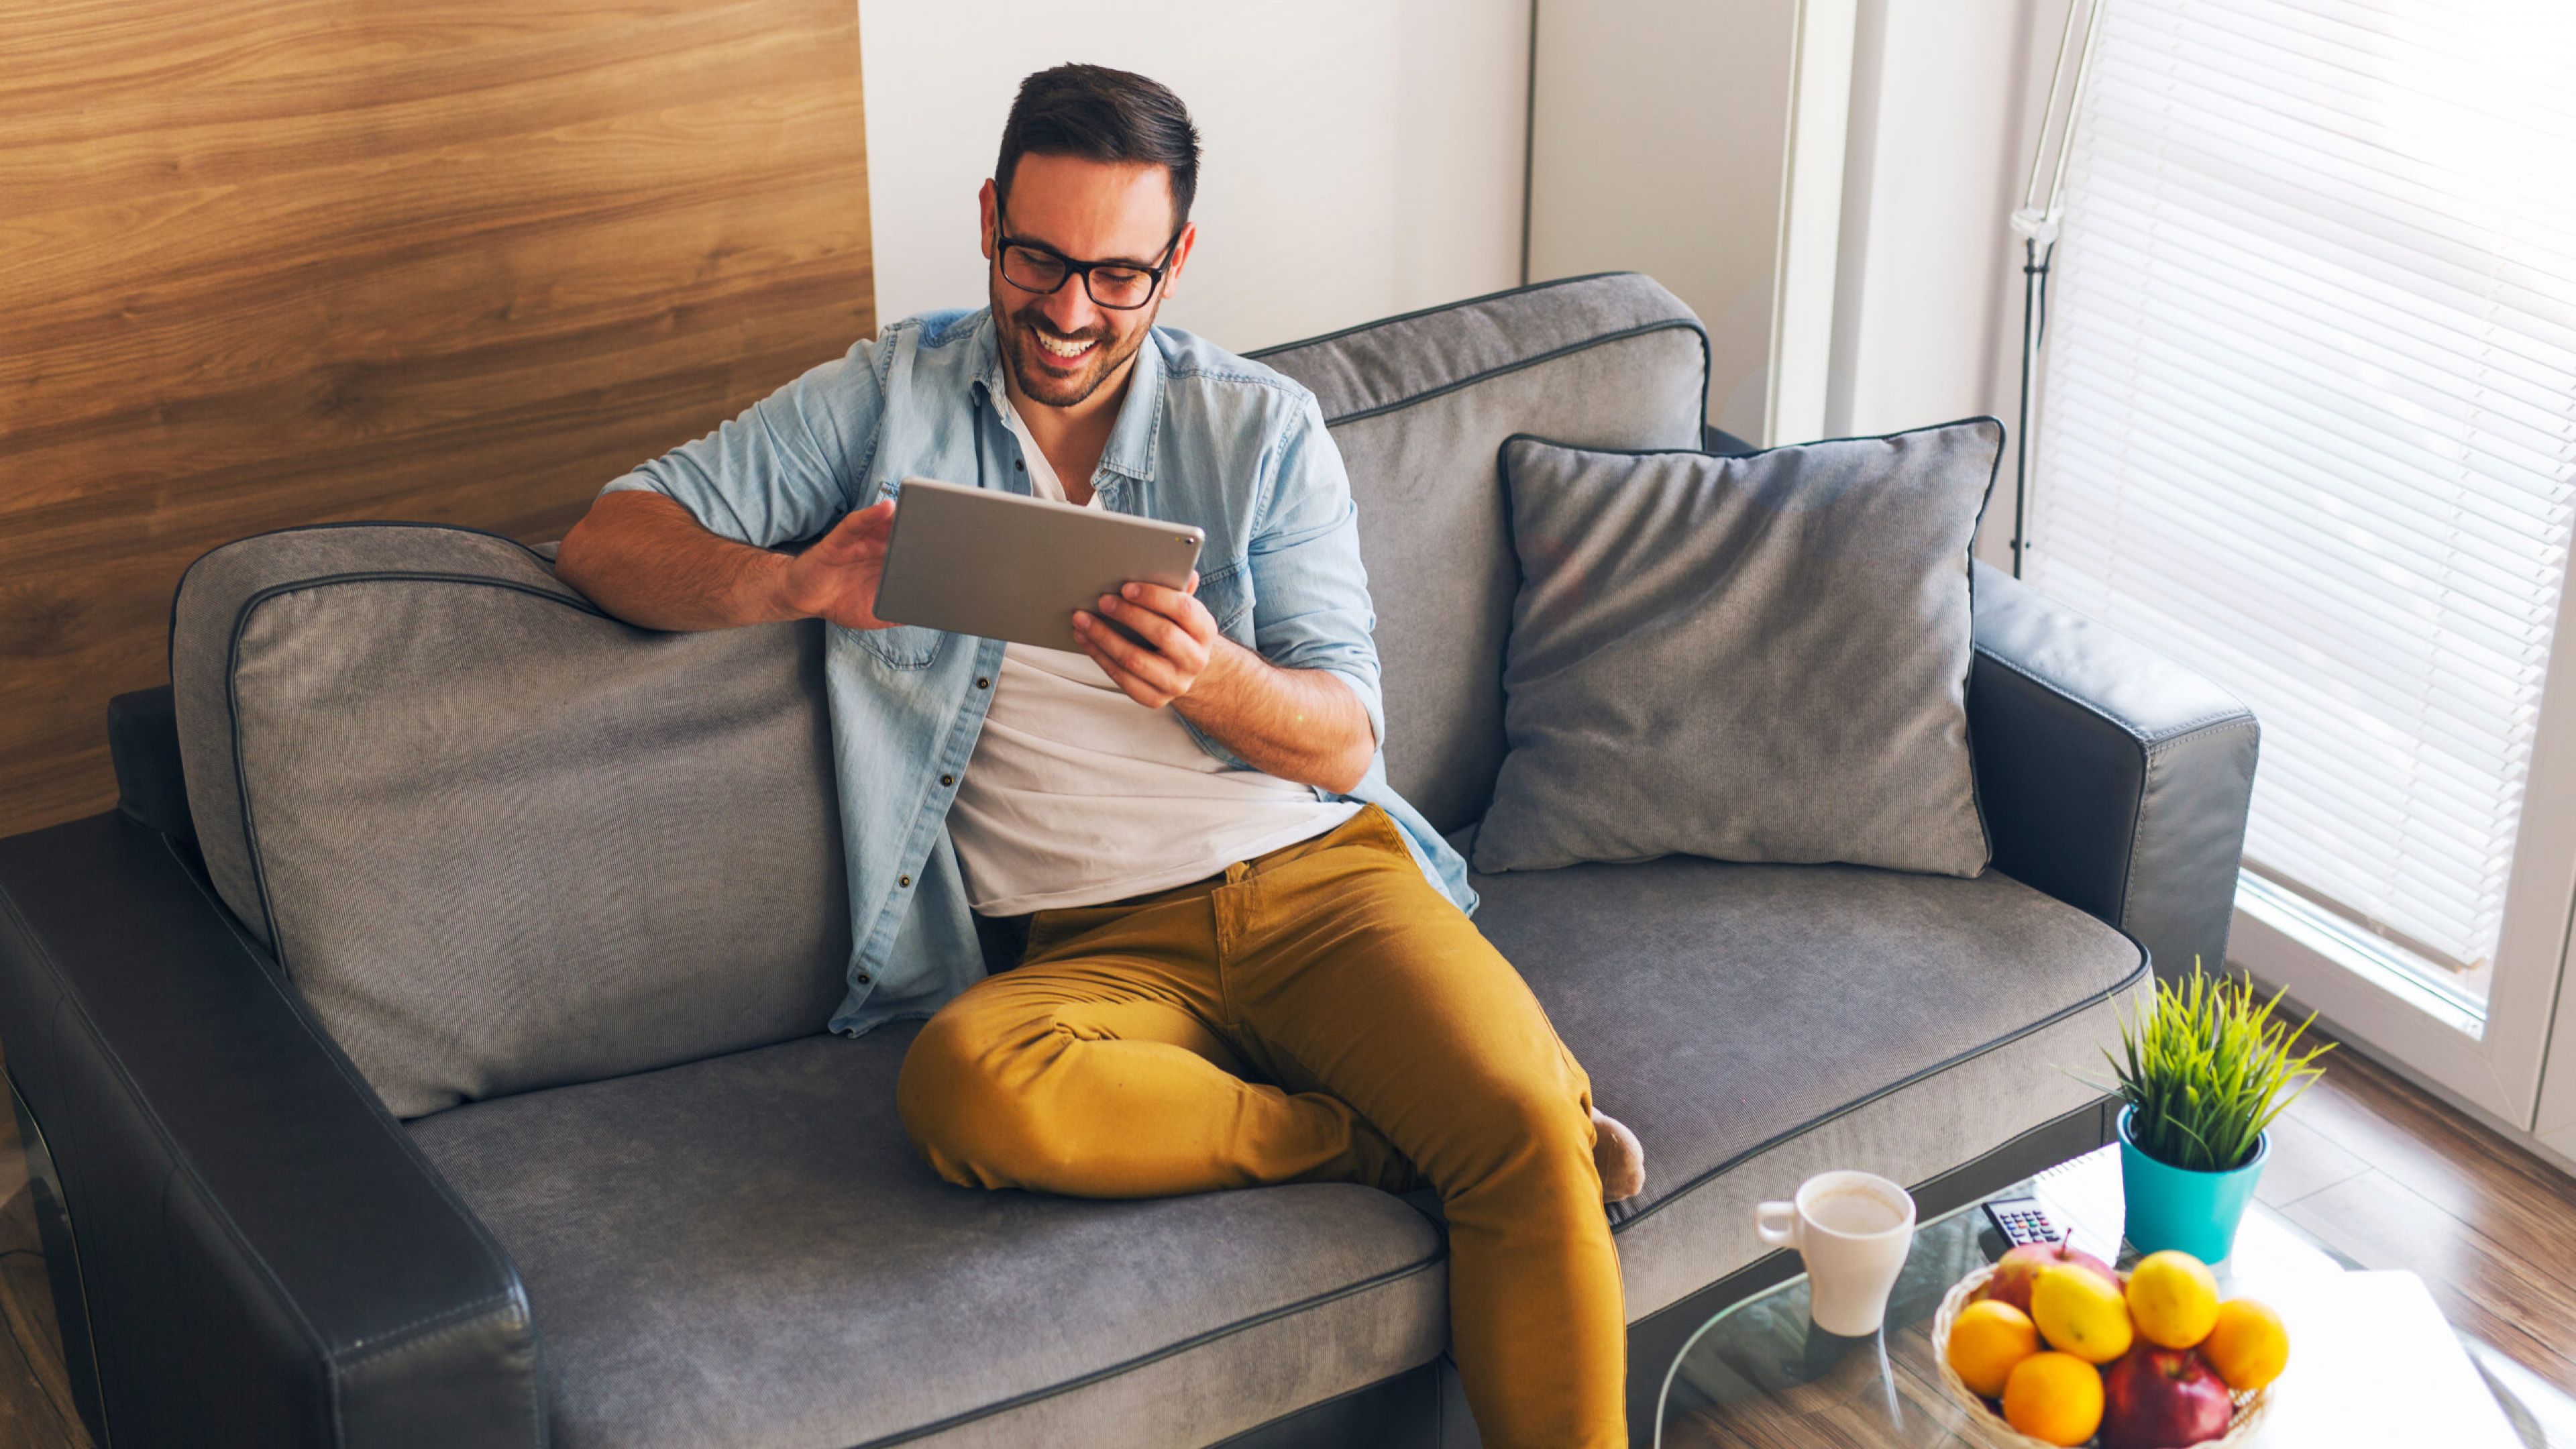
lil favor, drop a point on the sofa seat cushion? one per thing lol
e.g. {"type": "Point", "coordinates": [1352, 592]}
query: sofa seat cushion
{"type": "Point", "coordinates": [746, 1251]}
{"type": "Point", "coordinates": [1882, 1020]}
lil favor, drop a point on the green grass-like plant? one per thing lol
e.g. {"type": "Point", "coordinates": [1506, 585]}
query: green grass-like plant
{"type": "Point", "coordinates": [2208, 1067]}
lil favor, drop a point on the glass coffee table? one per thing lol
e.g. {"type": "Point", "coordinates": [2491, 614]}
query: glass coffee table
{"type": "Point", "coordinates": [1760, 1376]}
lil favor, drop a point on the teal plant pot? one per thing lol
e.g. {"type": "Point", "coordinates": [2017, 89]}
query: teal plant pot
{"type": "Point", "coordinates": [2175, 1207]}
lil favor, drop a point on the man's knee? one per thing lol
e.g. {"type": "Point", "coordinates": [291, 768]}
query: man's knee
{"type": "Point", "coordinates": [954, 1106]}
{"type": "Point", "coordinates": [1520, 1131]}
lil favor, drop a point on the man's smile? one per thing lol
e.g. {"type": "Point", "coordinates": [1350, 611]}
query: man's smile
{"type": "Point", "coordinates": [1063, 352]}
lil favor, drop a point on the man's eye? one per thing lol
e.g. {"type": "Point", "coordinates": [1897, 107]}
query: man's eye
{"type": "Point", "coordinates": [1118, 277]}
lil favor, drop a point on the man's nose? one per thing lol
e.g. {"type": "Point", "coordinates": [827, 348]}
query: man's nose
{"type": "Point", "coordinates": [1069, 309]}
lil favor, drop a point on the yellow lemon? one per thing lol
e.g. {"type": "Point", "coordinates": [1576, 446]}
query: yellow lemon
{"type": "Point", "coordinates": [2174, 1298]}
{"type": "Point", "coordinates": [2247, 1346]}
{"type": "Point", "coordinates": [2054, 1397]}
{"type": "Point", "coordinates": [1986, 1340]}
{"type": "Point", "coordinates": [2082, 1313]}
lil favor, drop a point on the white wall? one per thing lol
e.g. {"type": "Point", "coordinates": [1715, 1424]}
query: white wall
{"type": "Point", "coordinates": [1659, 145]}
{"type": "Point", "coordinates": [1662, 126]}
{"type": "Point", "coordinates": [1359, 158]}
{"type": "Point", "coordinates": [1389, 138]}
{"type": "Point", "coordinates": [1927, 316]}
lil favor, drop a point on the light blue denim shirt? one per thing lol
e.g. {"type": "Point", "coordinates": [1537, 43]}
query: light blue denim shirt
{"type": "Point", "coordinates": [1203, 437]}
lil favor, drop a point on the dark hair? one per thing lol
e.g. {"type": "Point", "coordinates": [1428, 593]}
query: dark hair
{"type": "Point", "coordinates": [1101, 114]}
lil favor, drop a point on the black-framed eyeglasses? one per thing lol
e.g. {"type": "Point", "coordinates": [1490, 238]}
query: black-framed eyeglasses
{"type": "Point", "coordinates": [1033, 266]}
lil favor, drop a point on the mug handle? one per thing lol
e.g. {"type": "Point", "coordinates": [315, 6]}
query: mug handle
{"type": "Point", "coordinates": [1776, 1223]}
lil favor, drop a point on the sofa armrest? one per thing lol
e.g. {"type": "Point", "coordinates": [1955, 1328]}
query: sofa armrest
{"type": "Point", "coordinates": [143, 741]}
{"type": "Point", "coordinates": [2111, 777]}
{"type": "Point", "coordinates": [265, 1257]}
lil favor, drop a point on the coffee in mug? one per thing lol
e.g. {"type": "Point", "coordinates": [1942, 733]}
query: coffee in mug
{"type": "Point", "coordinates": [1854, 1230]}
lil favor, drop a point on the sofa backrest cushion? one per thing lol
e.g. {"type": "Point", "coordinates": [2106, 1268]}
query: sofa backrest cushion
{"type": "Point", "coordinates": [497, 839]}
{"type": "Point", "coordinates": [1420, 406]}
{"type": "Point", "coordinates": [1759, 658]}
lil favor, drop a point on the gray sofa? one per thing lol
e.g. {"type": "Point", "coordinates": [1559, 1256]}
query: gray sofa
{"type": "Point", "coordinates": [429, 1050]}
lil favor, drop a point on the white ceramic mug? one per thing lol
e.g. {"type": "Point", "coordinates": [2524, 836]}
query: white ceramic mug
{"type": "Point", "coordinates": [1854, 1230]}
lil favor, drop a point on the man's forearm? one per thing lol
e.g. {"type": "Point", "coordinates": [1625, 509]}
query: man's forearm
{"type": "Point", "coordinates": [643, 558]}
{"type": "Point", "coordinates": [1305, 725]}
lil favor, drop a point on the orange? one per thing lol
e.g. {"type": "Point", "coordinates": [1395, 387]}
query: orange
{"type": "Point", "coordinates": [2054, 1397]}
{"type": "Point", "coordinates": [2247, 1347]}
{"type": "Point", "coordinates": [1986, 1340]}
{"type": "Point", "coordinates": [2082, 1313]}
{"type": "Point", "coordinates": [2173, 1297]}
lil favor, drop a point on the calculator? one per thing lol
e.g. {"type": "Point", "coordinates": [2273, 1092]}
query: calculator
{"type": "Point", "coordinates": [2022, 1220]}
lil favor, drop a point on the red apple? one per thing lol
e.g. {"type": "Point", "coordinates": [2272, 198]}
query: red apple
{"type": "Point", "coordinates": [2018, 1269]}
{"type": "Point", "coordinates": [2162, 1398]}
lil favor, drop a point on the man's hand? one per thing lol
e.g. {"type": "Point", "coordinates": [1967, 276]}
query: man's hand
{"type": "Point", "coordinates": [836, 576]}
{"type": "Point", "coordinates": [1180, 640]}
{"type": "Point", "coordinates": [1297, 724]}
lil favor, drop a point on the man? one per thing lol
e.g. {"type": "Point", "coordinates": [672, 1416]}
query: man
{"type": "Point", "coordinates": [1225, 953]}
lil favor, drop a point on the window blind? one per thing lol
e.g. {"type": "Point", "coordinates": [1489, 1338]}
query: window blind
{"type": "Point", "coordinates": [2309, 413]}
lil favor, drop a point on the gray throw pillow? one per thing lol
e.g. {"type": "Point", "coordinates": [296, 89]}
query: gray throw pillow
{"type": "Point", "coordinates": [1756, 658]}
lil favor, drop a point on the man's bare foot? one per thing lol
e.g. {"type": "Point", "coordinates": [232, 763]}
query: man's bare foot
{"type": "Point", "coordinates": [1619, 1155]}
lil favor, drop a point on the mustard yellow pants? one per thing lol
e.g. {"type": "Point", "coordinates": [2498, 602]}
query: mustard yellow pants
{"type": "Point", "coordinates": [1318, 1014]}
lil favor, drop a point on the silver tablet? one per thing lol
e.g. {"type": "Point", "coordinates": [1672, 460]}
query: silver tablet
{"type": "Point", "coordinates": [981, 561]}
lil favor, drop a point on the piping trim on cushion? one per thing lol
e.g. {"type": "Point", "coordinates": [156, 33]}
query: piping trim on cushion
{"type": "Point", "coordinates": [1706, 356]}
{"type": "Point", "coordinates": [1392, 1275]}
{"type": "Point", "coordinates": [2083, 1003]}
{"type": "Point", "coordinates": [232, 695]}
{"type": "Point", "coordinates": [1434, 310]}
{"type": "Point", "coordinates": [1587, 344]}
{"type": "Point", "coordinates": [171, 639]}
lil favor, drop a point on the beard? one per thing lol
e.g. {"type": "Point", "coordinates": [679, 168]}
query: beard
{"type": "Point", "coordinates": [1037, 372]}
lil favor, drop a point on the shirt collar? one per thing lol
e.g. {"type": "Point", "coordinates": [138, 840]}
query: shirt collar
{"type": "Point", "coordinates": [1140, 416]}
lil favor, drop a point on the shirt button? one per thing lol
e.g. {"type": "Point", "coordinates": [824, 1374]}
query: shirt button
{"type": "Point", "coordinates": [1020, 465]}
{"type": "Point", "coordinates": [948, 779]}
{"type": "Point", "coordinates": [903, 880]}
{"type": "Point", "coordinates": [863, 978]}
{"type": "Point", "coordinates": [983, 682]}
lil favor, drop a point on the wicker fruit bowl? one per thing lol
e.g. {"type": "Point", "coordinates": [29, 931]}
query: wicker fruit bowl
{"type": "Point", "coordinates": [2250, 1407]}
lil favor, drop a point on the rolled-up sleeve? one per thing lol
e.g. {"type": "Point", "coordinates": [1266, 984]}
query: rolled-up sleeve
{"type": "Point", "coordinates": [787, 468]}
{"type": "Point", "coordinates": [1310, 593]}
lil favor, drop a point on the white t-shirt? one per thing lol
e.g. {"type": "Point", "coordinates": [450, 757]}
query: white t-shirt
{"type": "Point", "coordinates": [1077, 794]}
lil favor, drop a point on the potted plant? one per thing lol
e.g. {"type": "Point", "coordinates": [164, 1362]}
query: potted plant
{"type": "Point", "coordinates": [2204, 1070]}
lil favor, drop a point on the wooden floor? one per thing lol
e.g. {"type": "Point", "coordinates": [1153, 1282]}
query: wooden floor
{"type": "Point", "coordinates": [2372, 1167]}
{"type": "Point", "coordinates": [2387, 1175]}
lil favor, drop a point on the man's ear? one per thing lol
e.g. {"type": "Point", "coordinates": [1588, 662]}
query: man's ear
{"type": "Point", "coordinates": [1180, 255]}
{"type": "Point", "coordinates": [986, 200]}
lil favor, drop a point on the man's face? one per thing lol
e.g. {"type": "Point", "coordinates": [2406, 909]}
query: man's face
{"type": "Point", "coordinates": [1060, 345]}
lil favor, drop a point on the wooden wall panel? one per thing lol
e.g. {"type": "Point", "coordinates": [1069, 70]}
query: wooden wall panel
{"type": "Point", "coordinates": [272, 262]}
